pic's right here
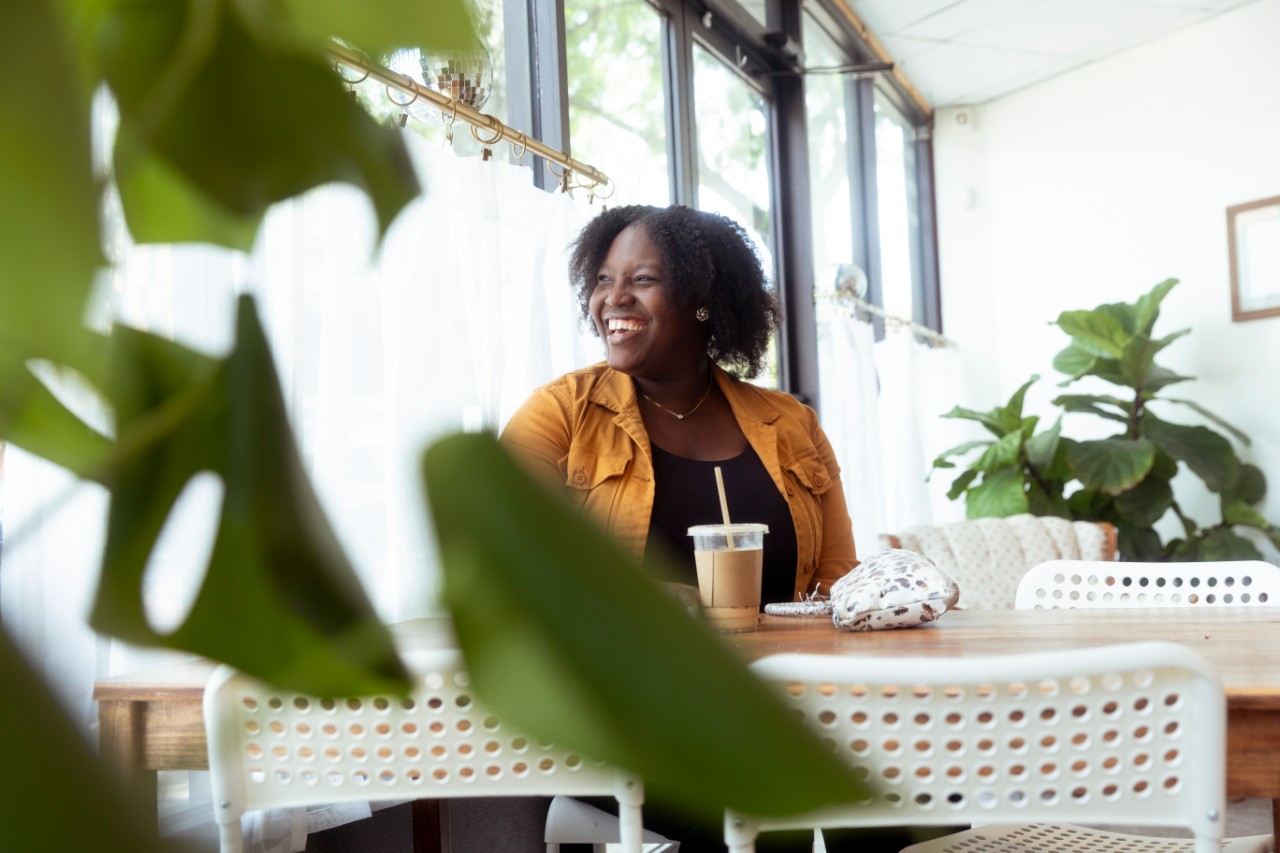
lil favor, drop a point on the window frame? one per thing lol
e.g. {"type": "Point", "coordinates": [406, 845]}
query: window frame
{"type": "Point", "coordinates": [538, 99]}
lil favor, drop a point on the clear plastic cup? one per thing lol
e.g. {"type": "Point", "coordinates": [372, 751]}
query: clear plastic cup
{"type": "Point", "coordinates": [730, 562]}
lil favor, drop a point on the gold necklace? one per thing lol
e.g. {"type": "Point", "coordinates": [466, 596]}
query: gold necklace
{"type": "Point", "coordinates": [677, 415]}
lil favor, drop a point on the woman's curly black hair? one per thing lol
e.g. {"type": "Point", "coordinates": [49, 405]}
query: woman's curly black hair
{"type": "Point", "coordinates": [707, 259]}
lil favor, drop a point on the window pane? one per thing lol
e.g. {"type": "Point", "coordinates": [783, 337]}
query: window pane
{"type": "Point", "coordinates": [897, 206]}
{"type": "Point", "coordinates": [733, 161]}
{"type": "Point", "coordinates": [828, 132]}
{"type": "Point", "coordinates": [617, 107]}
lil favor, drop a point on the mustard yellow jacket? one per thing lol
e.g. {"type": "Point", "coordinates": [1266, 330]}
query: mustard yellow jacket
{"type": "Point", "coordinates": [584, 431]}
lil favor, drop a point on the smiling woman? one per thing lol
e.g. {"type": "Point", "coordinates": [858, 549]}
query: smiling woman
{"type": "Point", "coordinates": [678, 296]}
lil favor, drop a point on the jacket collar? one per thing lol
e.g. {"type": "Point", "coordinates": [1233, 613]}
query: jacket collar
{"type": "Point", "coordinates": [616, 392]}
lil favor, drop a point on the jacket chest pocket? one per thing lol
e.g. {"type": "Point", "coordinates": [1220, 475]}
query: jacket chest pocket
{"type": "Point", "coordinates": [807, 481]}
{"type": "Point", "coordinates": [592, 479]}
{"type": "Point", "coordinates": [808, 471]}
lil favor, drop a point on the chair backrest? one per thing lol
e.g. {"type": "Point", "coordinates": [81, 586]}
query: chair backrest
{"type": "Point", "coordinates": [1131, 734]}
{"type": "Point", "coordinates": [988, 556]}
{"type": "Point", "coordinates": [270, 748]}
{"type": "Point", "coordinates": [1073, 585]}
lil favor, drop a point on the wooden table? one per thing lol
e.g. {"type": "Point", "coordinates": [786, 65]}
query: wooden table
{"type": "Point", "coordinates": [153, 720]}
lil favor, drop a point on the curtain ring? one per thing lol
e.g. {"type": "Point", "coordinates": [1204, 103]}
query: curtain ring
{"type": "Point", "coordinates": [338, 66]}
{"type": "Point", "coordinates": [490, 121]}
{"type": "Point", "coordinates": [613, 189]}
{"type": "Point", "coordinates": [403, 105]}
{"type": "Point", "coordinates": [563, 177]}
{"type": "Point", "coordinates": [524, 146]}
{"type": "Point", "coordinates": [449, 119]}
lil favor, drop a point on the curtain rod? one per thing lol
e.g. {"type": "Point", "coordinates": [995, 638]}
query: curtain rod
{"type": "Point", "coordinates": [483, 121]}
{"type": "Point", "coordinates": [847, 296]}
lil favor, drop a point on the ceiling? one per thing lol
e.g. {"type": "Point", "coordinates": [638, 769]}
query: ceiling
{"type": "Point", "coordinates": [968, 52]}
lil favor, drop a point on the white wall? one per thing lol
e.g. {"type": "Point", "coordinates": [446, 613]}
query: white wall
{"type": "Point", "coordinates": [1094, 186]}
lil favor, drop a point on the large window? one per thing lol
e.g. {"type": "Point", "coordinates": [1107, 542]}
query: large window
{"type": "Point", "coordinates": [757, 110]}
{"type": "Point", "coordinates": [831, 201]}
{"type": "Point", "coordinates": [897, 208]}
{"type": "Point", "coordinates": [617, 108]}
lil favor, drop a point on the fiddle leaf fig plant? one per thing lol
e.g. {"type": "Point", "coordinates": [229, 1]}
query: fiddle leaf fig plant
{"type": "Point", "coordinates": [1019, 471]}
{"type": "Point", "coordinates": [1125, 478]}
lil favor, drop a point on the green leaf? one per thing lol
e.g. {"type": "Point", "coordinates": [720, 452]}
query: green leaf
{"type": "Point", "coordinates": [49, 765]}
{"type": "Point", "coordinates": [1204, 451]}
{"type": "Point", "coordinates": [34, 419]}
{"type": "Point", "coordinates": [943, 460]}
{"type": "Point", "coordinates": [1001, 454]}
{"type": "Point", "coordinates": [1139, 544]}
{"type": "Point", "coordinates": [1137, 360]}
{"type": "Point", "coordinates": [961, 483]}
{"type": "Point", "coordinates": [604, 661]}
{"type": "Point", "coordinates": [1222, 543]}
{"type": "Point", "coordinates": [1147, 309]}
{"type": "Point", "coordinates": [1087, 504]}
{"type": "Point", "coordinates": [1090, 403]}
{"type": "Point", "coordinates": [1241, 513]}
{"type": "Point", "coordinates": [990, 420]}
{"type": "Point", "coordinates": [1147, 502]}
{"type": "Point", "coordinates": [1042, 449]}
{"type": "Point", "coordinates": [1045, 503]}
{"type": "Point", "coordinates": [1075, 361]}
{"type": "Point", "coordinates": [442, 25]}
{"type": "Point", "coordinates": [1011, 415]}
{"type": "Point", "coordinates": [1094, 332]}
{"type": "Point", "coordinates": [49, 204]}
{"type": "Point", "coordinates": [1191, 404]}
{"type": "Point", "coordinates": [218, 122]}
{"type": "Point", "coordinates": [1111, 465]}
{"type": "Point", "coordinates": [999, 495]}
{"type": "Point", "coordinates": [1249, 486]}
{"type": "Point", "coordinates": [279, 599]}
{"type": "Point", "coordinates": [1158, 377]}
{"type": "Point", "coordinates": [1121, 312]}
{"type": "Point", "coordinates": [161, 200]}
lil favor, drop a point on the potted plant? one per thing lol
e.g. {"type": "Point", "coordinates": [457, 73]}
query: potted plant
{"type": "Point", "coordinates": [1125, 478]}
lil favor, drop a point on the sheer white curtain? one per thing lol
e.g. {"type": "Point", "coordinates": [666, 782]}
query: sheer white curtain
{"type": "Point", "coordinates": [882, 407]}
{"type": "Point", "coordinates": [461, 311]}
{"type": "Point", "coordinates": [850, 392]}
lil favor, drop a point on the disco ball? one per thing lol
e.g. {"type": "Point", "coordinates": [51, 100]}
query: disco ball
{"type": "Point", "coordinates": [465, 77]}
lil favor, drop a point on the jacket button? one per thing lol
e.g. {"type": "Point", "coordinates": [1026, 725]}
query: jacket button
{"type": "Point", "coordinates": [580, 476]}
{"type": "Point", "coordinates": [818, 480]}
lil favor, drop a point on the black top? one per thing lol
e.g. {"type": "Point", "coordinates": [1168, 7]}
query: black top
{"type": "Point", "coordinates": [685, 494]}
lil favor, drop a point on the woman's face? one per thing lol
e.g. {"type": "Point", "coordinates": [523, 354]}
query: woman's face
{"type": "Point", "coordinates": [644, 334]}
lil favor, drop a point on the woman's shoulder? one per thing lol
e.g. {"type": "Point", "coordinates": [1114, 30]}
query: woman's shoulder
{"type": "Point", "coordinates": [577, 388]}
{"type": "Point", "coordinates": [770, 398]}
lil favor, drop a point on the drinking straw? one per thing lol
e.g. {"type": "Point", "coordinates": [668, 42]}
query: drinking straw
{"type": "Point", "coordinates": [724, 506]}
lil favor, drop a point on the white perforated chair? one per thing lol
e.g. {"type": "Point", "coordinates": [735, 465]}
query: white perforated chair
{"type": "Point", "coordinates": [270, 748]}
{"type": "Point", "coordinates": [1082, 584]}
{"type": "Point", "coordinates": [1131, 734]}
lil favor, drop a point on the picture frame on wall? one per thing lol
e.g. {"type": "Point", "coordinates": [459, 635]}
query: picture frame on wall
{"type": "Point", "coordinates": [1253, 237]}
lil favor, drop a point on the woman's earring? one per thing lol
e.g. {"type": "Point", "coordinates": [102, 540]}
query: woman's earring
{"type": "Point", "coordinates": [702, 314]}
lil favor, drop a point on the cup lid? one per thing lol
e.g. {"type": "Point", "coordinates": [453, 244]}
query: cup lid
{"type": "Point", "coordinates": [724, 529]}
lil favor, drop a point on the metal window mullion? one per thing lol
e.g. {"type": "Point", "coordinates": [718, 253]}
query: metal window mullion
{"type": "Point", "coordinates": [682, 121]}
{"type": "Point", "coordinates": [865, 188]}
{"type": "Point", "coordinates": [793, 228]}
{"type": "Point", "coordinates": [928, 289]}
{"type": "Point", "coordinates": [536, 76]}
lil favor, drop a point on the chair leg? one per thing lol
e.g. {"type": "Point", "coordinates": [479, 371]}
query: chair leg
{"type": "Point", "coordinates": [630, 828]}
{"type": "Point", "coordinates": [740, 833]}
